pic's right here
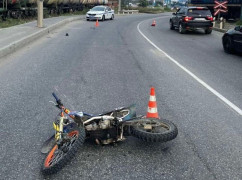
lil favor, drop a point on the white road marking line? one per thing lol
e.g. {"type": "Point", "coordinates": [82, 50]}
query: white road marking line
{"type": "Point", "coordinates": [216, 93]}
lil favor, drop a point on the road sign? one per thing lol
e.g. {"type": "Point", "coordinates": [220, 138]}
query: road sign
{"type": "Point", "coordinates": [220, 7]}
{"type": "Point", "coordinates": [218, 11]}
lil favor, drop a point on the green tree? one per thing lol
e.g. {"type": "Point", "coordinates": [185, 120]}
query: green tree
{"type": "Point", "coordinates": [143, 3]}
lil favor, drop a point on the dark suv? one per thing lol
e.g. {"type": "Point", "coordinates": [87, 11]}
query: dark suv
{"type": "Point", "coordinates": [191, 18]}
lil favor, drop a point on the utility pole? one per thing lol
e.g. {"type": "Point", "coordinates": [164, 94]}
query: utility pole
{"type": "Point", "coordinates": [40, 13]}
{"type": "Point", "coordinates": [119, 6]}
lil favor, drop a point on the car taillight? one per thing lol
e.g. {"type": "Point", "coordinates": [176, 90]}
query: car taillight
{"type": "Point", "coordinates": [187, 18]}
{"type": "Point", "coordinates": [210, 18]}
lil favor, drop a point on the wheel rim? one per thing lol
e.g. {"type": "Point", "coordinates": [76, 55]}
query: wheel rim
{"type": "Point", "coordinates": [73, 135]}
{"type": "Point", "coordinates": [56, 154]}
{"type": "Point", "coordinates": [208, 31]}
{"type": "Point", "coordinates": [53, 157]}
{"type": "Point", "coordinates": [153, 126]}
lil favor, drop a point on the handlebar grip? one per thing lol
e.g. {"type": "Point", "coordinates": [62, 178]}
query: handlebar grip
{"type": "Point", "coordinates": [56, 98]}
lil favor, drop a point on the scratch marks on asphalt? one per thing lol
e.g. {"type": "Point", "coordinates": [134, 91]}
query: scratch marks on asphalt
{"type": "Point", "coordinates": [157, 53]}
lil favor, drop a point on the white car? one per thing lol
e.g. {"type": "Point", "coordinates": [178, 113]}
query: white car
{"type": "Point", "coordinates": [100, 13]}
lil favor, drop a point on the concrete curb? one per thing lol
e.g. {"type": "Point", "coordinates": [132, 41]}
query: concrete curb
{"type": "Point", "coordinates": [26, 40]}
{"type": "Point", "coordinates": [220, 30]}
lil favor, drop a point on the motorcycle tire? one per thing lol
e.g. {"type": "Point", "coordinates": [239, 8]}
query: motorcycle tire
{"type": "Point", "coordinates": [154, 130]}
{"type": "Point", "coordinates": [57, 158]}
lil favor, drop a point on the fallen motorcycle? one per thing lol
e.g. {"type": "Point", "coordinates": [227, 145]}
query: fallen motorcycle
{"type": "Point", "coordinates": [106, 128]}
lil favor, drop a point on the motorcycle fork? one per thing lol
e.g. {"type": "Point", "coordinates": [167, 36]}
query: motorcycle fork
{"type": "Point", "coordinates": [59, 132]}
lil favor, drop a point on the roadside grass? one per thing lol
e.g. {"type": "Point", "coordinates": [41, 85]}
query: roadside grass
{"type": "Point", "coordinates": [13, 22]}
{"type": "Point", "coordinates": [148, 10]}
{"type": "Point", "coordinates": [166, 9]}
{"type": "Point", "coordinates": [83, 12]}
{"type": "Point", "coordinates": [154, 10]}
{"type": "Point", "coordinates": [239, 22]}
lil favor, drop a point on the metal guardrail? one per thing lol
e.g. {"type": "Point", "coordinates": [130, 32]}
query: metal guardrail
{"type": "Point", "coordinates": [129, 11]}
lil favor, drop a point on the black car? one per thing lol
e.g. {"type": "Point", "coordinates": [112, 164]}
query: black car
{"type": "Point", "coordinates": [232, 40]}
{"type": "Point", "coordinates": [192, 18]}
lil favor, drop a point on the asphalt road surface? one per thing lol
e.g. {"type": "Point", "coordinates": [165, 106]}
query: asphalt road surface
{"type": "Point", "coordinates": [98, 69]}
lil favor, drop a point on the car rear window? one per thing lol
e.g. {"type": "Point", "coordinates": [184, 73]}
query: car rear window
{"type": "Point", "coordinates": [195, 12]}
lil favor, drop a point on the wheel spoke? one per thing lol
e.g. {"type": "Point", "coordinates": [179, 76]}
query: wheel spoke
{"type": "Point", "coordinates": [152, 126]}
{"type": "Point", "coordinates": [56, 156]}
{"type": "Point", "coordinates": [62, 153]}
{"type": "Point", "coordinates": [154, 130]}
{"type": "Point", "coordinates": [68, 145]}
{"type": "Point", "coordinates": [159, 129]}
{"type": "Point", "coordinates": [65, 148]}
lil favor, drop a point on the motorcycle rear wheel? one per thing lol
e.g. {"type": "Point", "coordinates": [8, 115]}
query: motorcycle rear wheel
{"type": "Point", "coordinates": [57, 158]}
{"type": "Point", "coordinates": [154, 130]}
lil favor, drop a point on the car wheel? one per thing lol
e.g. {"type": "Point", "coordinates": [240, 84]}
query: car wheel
{"type": "Point", "coordinates": [171, 25]}
{"type": "Point", "coordinates": [208, 31]}
{"type": "Point", "coordinates": [87, 19]}
{"type": "Point", "coordinates": [181, 29]}
{"type": "Point", "coordinates": [227, 45]}
{"type": "Point", "coordinates": [112, 17]}
{"type": "Point", "coordinates": [103, 18]}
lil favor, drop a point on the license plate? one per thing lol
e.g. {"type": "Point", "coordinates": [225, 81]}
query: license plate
{"type": "Point", "coordinates": [200, 19]}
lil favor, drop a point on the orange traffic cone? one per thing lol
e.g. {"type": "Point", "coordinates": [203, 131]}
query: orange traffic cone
{"type": "Point", "coordinates": [97, 23]}
{"type": "Point", "coordinates": [154, 23]}
{"type": "Point", "coordinates": [152, 106]}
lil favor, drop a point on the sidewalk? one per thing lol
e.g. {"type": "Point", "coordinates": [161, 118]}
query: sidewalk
{"type": "Point", "coordinates": [226, 27]}
{"type": "Point", "coordinates": [13, 38]}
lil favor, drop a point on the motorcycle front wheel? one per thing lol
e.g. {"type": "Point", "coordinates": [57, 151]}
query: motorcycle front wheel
{"type": "Point", "coordinates": [154, 130]}
{"type": "Point", "coordinates": [58, 157]}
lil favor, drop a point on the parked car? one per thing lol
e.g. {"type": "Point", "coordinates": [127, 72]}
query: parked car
{"type": "Point", "coordinates": [232, 40]}
{"type": "Point", "coordinates": [192, 18]}
{"type": "Point", "coordinates": [100, 13]}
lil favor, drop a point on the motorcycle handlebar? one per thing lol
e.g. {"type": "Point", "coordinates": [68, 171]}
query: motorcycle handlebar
{"type": "Point", "coordinates": [58, 101]}
{"type": "Point", "coordinates": [56, 98]}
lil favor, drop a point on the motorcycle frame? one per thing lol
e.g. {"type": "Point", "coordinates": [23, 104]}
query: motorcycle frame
{"type": "Point", "coordinates": [72, 114]}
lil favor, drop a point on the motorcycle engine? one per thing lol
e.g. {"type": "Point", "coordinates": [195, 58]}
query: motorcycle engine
{"type": "Point", "coordinates": [102, 124]}
{"type": "Point", "coordinates": [103, 132]}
